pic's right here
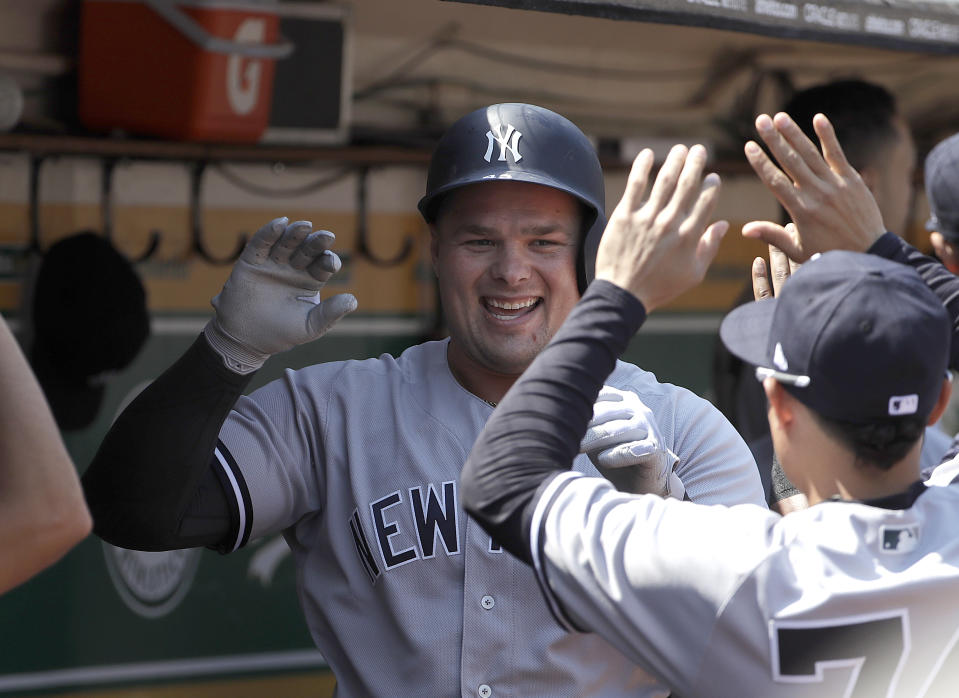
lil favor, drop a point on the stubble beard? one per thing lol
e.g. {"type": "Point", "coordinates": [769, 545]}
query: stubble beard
{"type": "Point", "coordinates": [511, 355]}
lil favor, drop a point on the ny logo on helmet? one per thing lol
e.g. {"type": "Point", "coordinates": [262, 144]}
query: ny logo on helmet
{"type": "Point", "coordinates": [507, 142]}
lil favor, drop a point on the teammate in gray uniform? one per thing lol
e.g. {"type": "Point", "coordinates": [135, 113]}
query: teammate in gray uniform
{"type": "Point", "coordinates": [357, 462]}
{"type": "Point", "coordinates": [858, 595]}
{"type": "Point", "coordinates": [941, 170]}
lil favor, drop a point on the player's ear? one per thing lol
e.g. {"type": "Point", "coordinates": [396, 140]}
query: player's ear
{"type": "Point", "coordinates": [945, 251]}
{"type": "Point", "coordinates": [780, 403]}
{"type": "Point", "coordinates": [942, 402]}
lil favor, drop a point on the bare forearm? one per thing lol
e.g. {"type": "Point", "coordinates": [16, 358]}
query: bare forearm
{"type": "Point", "coordinates": [42, 510]}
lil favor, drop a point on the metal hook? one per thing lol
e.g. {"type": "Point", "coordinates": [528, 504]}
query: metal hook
{"type": "Point", "coordinates": [196, 179]}
{"type": "Point", "coordinates": [33, 246]}
{"type": "Point", "coordinates": [106, 206]}
{"type": "Point", "coordinates": [362, 229]}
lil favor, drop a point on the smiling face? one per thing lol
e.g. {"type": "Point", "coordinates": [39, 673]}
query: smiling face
{"type": "Point", "coordinates": [505, 257]}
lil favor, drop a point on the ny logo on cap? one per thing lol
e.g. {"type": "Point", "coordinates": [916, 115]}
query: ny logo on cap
{"type": "Point", "coordinates": [899, 539]}
{"type": "Point", "coordinates": [903, 404]}
{"type": "Point", "coordinates": [508, 141]}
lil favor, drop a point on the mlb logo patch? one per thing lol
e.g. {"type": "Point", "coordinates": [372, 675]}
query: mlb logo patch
{"type": "Point", "coordinates": [898, 539]}
{"type": "Point", "coordinates": [903, 404]}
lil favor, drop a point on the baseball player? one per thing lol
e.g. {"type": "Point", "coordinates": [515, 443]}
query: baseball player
{"type": "Point", "coordinates": [941, 176]}
{"type": "Point", "coordinates": [844, 222]}
{"type": "Point", "coordinates": [941, 171]}
{"type": "Point", "coordinates": [858, 595]}
{"type": "Point", "coordinates": [357, 462]}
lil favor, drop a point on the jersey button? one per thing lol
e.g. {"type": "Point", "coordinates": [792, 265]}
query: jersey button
{"type": "Point", "coordinates": [487, 602]}
{"type": "Point", "coordinates": [485, 691]}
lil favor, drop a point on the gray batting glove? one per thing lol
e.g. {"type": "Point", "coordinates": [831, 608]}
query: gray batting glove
{"type": "Point", "coordinates": [624, 443]}
{"type": "Point", "coordinates": [271, 302]}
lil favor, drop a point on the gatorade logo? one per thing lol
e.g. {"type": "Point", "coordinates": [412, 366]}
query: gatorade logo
{"type": "Point", "coordinates": [243, 74]}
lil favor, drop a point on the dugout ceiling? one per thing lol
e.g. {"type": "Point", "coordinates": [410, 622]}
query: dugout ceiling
{"type": "Point", "coordinates": [633, 71]}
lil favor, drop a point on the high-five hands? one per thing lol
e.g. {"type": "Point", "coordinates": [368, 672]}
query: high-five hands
{"type": "Point", "coordinates": [660, 246]}
{"type": "Point", "coordinates": [768, 280]}
{"type": "Point", "coordinates": [830, 205]}
{"type": "Point", "coordinates": [271, 302]}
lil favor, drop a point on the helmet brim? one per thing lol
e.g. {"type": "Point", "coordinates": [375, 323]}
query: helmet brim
{"type": "Point", "coordinates": [429, 204]}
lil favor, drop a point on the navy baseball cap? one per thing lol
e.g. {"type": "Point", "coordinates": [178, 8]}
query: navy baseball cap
{"type": "Point", "coordinates": [852, 336]}
{"type": "Point", "coordinates": [942, 188]}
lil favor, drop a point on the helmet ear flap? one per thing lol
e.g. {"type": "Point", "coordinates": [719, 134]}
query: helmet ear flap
{"type": "Point", "coordinates": [586, 260]}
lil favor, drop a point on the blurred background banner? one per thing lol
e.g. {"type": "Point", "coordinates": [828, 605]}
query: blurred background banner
{"type": "Point", "coordinates": [930, 25]}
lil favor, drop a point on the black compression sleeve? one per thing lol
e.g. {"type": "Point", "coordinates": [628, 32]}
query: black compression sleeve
{"type": "Point", "coordinates": [536, 430]}
{"type": "Point", "coordinates": [943, 282]}
{"type": "Point", "coordinates": [151, 485]}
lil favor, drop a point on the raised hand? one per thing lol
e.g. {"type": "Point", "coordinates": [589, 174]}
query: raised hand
{"type": "Point", "coordinates": [271, 302]}
{"type": "Point", "coordinates": [660, 246]}
{"type": "Point", "coordinates": [768, 280]}
{"type": "Point", "coordinates": [830, 205]}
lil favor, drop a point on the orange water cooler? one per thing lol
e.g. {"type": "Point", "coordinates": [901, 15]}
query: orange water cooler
{"type": "Point", "coordinates": [197, 70]}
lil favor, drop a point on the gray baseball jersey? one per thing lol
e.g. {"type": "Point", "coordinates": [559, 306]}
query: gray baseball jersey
{"type": "Point", "coordinates": [842, 599]}
{"type": "Point", "coordinates": [357, 462]}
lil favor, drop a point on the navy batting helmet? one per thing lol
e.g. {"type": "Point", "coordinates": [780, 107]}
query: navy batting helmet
{"type": "Point", "coordinates": [525, 143]}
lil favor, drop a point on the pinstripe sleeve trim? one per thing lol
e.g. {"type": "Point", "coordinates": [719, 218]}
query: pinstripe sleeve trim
{"type": "Point", "coordinates": [538, 540]}
{"type": "Point", "coordinates": [233, 477]}
{"type": "Point", "coordinates": [945, 474]}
